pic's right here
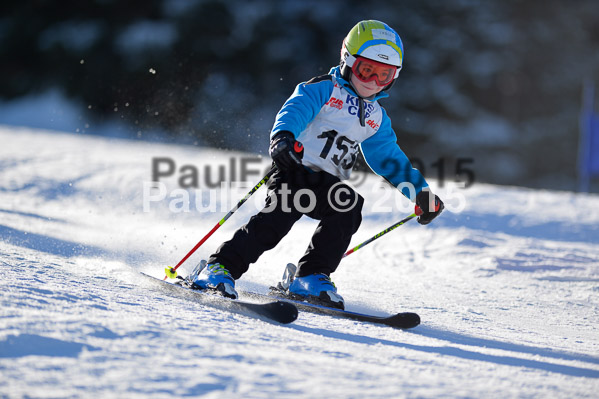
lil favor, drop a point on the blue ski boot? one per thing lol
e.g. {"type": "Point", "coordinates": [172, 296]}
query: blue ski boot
{"type": "Point", "coordinates": [317, 288]}
{"type": "Point", "coordinates": [214, 276]}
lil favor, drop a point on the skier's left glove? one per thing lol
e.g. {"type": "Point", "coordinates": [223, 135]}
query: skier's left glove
{"type": "Point", "coordinates": [430, 205]}
{"type": "Point", "coordinates": [285, 151]}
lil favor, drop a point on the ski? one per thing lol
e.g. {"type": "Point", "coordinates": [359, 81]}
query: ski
{"type": "Point", "coordinates": [269, 308]}
{"type": "Point", "coordinates": [404, 320]}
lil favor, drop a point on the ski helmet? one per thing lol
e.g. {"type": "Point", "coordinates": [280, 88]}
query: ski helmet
{"type": "Point", "coordinates": [373, 40]}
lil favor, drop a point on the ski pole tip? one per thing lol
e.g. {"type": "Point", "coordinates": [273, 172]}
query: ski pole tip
{"type": "Point", "coordinates": [170, 272]}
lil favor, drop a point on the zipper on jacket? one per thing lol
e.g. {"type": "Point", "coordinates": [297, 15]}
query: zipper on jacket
{"type": "Point", "coordinates": [361, 112]}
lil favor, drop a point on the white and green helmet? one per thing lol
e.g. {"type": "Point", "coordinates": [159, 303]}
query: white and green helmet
{"type": "Point", "coordinates": [374, 40]}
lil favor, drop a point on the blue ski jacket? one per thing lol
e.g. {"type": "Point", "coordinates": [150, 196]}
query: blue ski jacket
{"type": "Point", "coordinates": [332, 122]}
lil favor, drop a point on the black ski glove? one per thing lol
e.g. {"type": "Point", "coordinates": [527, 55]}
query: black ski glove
{"type": "Point", "coordinates": [285, 151]}
{"type": "Point", "coordinates": [428, 212]}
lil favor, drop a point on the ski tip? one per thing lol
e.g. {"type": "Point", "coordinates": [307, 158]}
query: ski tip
{"type": "Point", "coordinates": [404, 320]}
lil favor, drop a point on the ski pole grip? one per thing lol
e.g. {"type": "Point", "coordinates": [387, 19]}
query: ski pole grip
{"type": "Point", "coordinates": [417, 210]}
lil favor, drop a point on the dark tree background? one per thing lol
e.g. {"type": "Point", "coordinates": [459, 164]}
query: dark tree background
{"type": "Point", "coordinates": [499, 82]}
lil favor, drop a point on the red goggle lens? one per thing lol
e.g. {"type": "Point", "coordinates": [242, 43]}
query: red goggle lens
{"type": "Point", "coordinates": [367, 70]}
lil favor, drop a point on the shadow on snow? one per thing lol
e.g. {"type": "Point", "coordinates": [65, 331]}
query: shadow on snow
{"type": "Point", "coordinates": [458, 339]}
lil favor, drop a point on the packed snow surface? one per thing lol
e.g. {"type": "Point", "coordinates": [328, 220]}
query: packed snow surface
{"type": "Point", "coordinates": [506, 282]}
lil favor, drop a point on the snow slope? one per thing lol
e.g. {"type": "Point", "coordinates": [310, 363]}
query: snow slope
{"type": "Point", "coordinates": [507, 287]}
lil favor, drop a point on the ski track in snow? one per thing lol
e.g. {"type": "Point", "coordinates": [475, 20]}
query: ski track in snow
{"type": "Point", "coordinates": [507, 290]}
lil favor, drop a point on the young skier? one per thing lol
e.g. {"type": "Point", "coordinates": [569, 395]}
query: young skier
{"type": "Point", "coordinates": [314, 145]}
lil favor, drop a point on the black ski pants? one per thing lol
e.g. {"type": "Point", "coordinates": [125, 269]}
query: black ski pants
{"type": "Point", "coordinates": [291, 195]}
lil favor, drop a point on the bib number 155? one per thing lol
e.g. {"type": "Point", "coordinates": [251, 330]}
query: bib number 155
{"type": "Point", "coordinates": [344, 147]}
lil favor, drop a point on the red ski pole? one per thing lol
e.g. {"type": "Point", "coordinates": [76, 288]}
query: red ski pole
{"type": "Point", "coordinates": [417, 212]}
{"type": "Point", "coordinates": [171, 272]}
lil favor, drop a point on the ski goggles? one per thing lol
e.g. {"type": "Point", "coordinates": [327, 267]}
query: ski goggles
{"type": "Point", "coordinates": [367, 70]}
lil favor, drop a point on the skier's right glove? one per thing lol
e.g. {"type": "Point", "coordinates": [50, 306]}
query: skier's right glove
{"type": "Point", "coordinates": [429, 206]}
{"type": "Point", "coordinates": [286, 151]}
